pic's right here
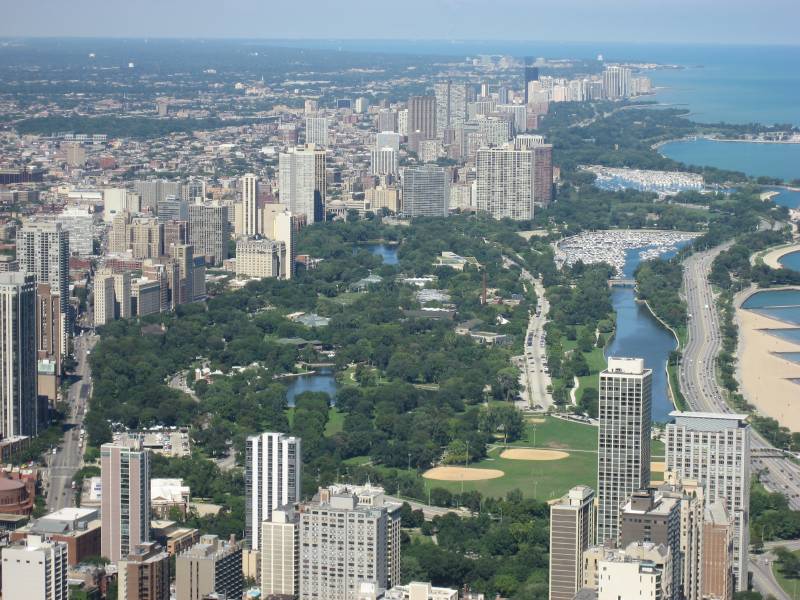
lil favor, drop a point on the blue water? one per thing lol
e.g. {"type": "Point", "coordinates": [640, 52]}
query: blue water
{"type": "Point", "coordinates": [783, 305]}
{"type": "Point", "coordinates": [387, 252]}
{"type": "Point", "coordinates": [640, 335]}
{"type": "Point", "coordinates": [772, 160]}
{"type": "Point", "coordinates": [790, 335]}
{"type": "Point", "coordinates": [791, 261]}
{"type": "Point", "coordinates": [786, 197]}
{"type": "Point", "coordinates": [322, 381]}
{"type": "Point", "coordinates": [792, 356]}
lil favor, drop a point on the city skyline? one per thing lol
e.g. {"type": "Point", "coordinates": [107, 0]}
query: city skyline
{"type": "Point", "coordinates": [609, 21]}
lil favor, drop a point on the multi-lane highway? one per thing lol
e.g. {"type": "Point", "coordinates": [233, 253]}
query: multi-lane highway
{"type": "Point", "coordinates": [698, 375]}
{"type": "Point", "coordinates": [68, 458]}
{"type": "Point", "coordinates": [699, 385]}
{"type": "Point", "coordinates": [535, 353]}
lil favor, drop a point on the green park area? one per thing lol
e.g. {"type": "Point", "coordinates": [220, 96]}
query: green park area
{"type": "Point", "coordinates": [787, 571]}
{"type": "Point", "coordinates": [556, 454]}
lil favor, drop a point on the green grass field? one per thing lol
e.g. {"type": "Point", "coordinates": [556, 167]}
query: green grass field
{"type": "Point", "coordinates": [332, 427]}
{"type": "Point", "coordinates": [790, 586]}
{"type": "Point", "coordinates": [544, 480]}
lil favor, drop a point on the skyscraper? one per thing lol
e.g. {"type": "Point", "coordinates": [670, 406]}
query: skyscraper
{"type": "Point", "coordinates": [211, 565]}
{"type": "Point", "coordinates": [425, 191]}
{"type": "Point", "coordinates": [714, 449]}
{"type": "Point", "coordinates": [302, 181]}
{"type": "Point", "coordinates": [384, 161]}
{"type": "Point", "coordinates": [650, 516]}
{"type": "Point", "coordinates": [542, 174]}
{"type": "Point", "coordinates": [530, 73]}
{"type": "Point", "coordinates": [451, 105]}
{"type": "Point", "coordinates": [571, 532]}
{"type": "Point", "coordinates": [209, 231]}
{"type": "Point", "coordinates": [387, 139]}
{"type": "Point", "coordinates": [43, 250]}
{"type": "Point", "coordinates": [623, 441]}
{"type": "Point", "coordinates": [125, 502]}
{"type": "Point", "coordinates": [505, 185]}
{"type": "Point", "coordinates": [250, 204]}
{"type": "Point", "coordinates": [35, 570]}
{"type": "Point", "coordinates": [617, 82]}
{"type": "Point", "coordinates": [280, 554]}
{"type": "Point", "coordinates": [144, 573]}
{"type": "Point", "coordinates": [18, 369]}
{"type": "Point", "coordinates": [422, 116]}
{"type": "Point", "coordinates": [282, 226]}
{"type": "Point", "coordinates": [717, 556]}
{"type": "Point", "coordinates": [317, 131]}
{"type": "Point", "coordinates": [348, 534]}
{"type": "Point", "coordinates": [272, 477]}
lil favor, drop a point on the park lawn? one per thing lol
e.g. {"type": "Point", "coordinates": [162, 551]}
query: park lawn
{"type": "Point", "coordinates": [357, 460]}
{"type": "Point", "coordinates": [559, 433]}
{"type": "Point", "coordinates": [334, 425]}
{"type": "Point", "coordinates": [545, 480]}
{"type": "Point", "coordinates": [335, 422]}
{"type": "Point", "coordinates": [789, 585]}
{"type": "Point", "coordinates": [597, 362]}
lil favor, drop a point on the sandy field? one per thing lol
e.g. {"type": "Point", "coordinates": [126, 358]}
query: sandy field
{"type": "Point", "coordinates": [461, 474]}
{"type": "Point", "coordinates": [658, 466]}
{"type": "Point", "coordinates": [764, 376]}
{"type": "Point", "coordinates": [533, 454]}
{"type": "Point", "coordinates": [536, 420]}
{"type": "Point", "coordinates": [772, 257]}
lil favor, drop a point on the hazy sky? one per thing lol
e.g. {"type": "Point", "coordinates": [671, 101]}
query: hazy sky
{"type": "Point", "coordinates": [734, 21]}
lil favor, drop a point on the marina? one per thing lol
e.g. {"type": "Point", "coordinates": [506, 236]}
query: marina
{"type": "Point", "coordinates": [663, 183]}
{"type": "Point", "coordinates": [612, 246]}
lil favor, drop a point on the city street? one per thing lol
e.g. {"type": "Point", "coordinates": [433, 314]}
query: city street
{"type": "Point", "coordinates": [535, 353]}
{"type": "Point", "coordinates": [68, 459]}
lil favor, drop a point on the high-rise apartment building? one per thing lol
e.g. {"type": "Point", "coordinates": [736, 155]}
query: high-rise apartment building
{"type": "Point", "coordinates": [125, 503]}
{"type": "Point", "coordinates": [714, 449]}
{"type": "Point", "coordinates": [212, 565]}
{"type": "Point", "coordinates": [172, 209]}
{"type": "Point", "coordinates": [348, 535]}
{"type": "Point", "coordinates": [691, 496]}
{"type": "Point", "coordinates": [388, 139]}
{"type": "Point", "coordinates": [103, 297]}
{"type": "Point", "coordinates": [505, 183]}
{"type": "Point", "coordinates": [35, 569]}
{"type": "Point", "coordinates": [425, 191]}
{"type": "Point", "coordinates": [43, 250]}
{"type": "Point", "coordinates": [422, 116]}
{"type": "Point", "coordinates": [317, 131]}
{"type": "Point", "coordinates": [571, 533]}
{"type": "Point", "coordinates": [650, 516]}
{"type": "Point", "coordinates": [384, 161]}
{"type": "Point", "coordinates": [48, 325]}
{"type": "Point", "coordinates": [623, 452]}
{"type": "Point", "coordinates": [530, 74]}
{"type": "Point", "coordinates": [250, 225]}
{"type": "Point", "coordinates": [451, 105]}
{"type": "Point", "coordinates": [260, 258]}
{"type": "Point", "coordinates": [152, 190]}
{"type": "Point", "coordinates": [302, 182]}
{"type": "Point", "coordinates": [387, 119]}
{"type": "Point", "coordinates": [617, 82]}
{"type": "Point", "coordinates": [280, 554]}
{"type": "Point", "coordinates": [282, 226]}
{"type": "Point", "coordinates": [78, 222]}
{"type": "Point", "coordinates": [542, 174]}
{"type": "Point", "coordinates": [18, 368]}
{"type": "Point", "coordinates": [144, 573]}
{"type": "Point", "coordinates": [176, 233]}
{"type": "Point", "coordinates": [209, 231]}
{"type": "Point", "coordinates": [272, 476]}
{"type": "Point", "coordinates": [717, 554]}
{"type": "Point", "coordinates": [143, 236]}
{"type": "Point", "coordinates": [641, 570]}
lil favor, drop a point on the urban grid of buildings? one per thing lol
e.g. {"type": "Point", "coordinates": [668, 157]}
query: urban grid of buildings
{"type": "Point", "coordinates": [142, 246]}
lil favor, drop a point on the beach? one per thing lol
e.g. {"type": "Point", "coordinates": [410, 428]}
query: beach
{"type": "Point", "coordinates": [764, 377]}
{"type": "Point", "coordinates": [772, 257]}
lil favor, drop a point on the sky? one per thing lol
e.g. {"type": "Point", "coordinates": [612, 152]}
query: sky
{"type": "Point", "coordinates": [664, 21]}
